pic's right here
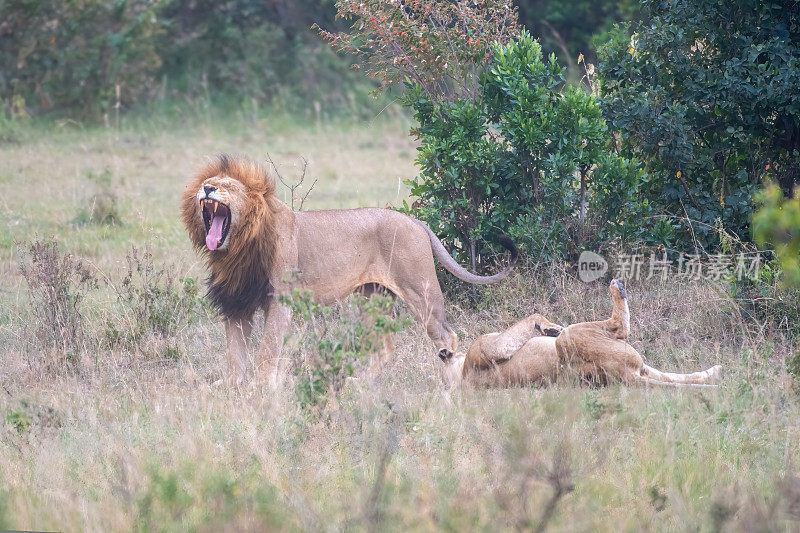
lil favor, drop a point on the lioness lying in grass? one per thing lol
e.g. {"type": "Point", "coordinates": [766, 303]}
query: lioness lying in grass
{"type": "Point", "coordinates": [534, 350]}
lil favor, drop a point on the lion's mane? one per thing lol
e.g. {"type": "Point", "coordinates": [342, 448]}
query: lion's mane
{"type": "Point", "coordinates": [240, 275]}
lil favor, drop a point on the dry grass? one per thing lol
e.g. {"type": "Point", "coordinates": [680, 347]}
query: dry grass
{"type": "Point", "coordinates": [131, 439]}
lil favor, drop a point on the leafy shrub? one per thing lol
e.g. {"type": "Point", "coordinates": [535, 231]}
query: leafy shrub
{"type": "Point", "coordinates": [528, 159]}
{"type": "Point", "coordinates": [57, 285]}
{"type": "Point", "coordinates": [338, 345]}
{"type": "Point", "coordinates": [777, 223]}
{"type": "Point", "coordinates": [705, 95]}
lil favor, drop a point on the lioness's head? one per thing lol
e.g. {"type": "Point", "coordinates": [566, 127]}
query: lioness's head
{"type": "Point", "coordinates": [617, 289]}
{"type": "Point", "coordinates": [224, 203]}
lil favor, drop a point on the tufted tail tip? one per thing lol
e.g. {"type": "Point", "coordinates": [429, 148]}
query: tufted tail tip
{"type": "Point", "coordinates": [509, 245]}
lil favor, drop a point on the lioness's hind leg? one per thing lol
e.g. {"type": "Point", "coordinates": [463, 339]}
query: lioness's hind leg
{"type": "Point", "coordinates": [712, 375]}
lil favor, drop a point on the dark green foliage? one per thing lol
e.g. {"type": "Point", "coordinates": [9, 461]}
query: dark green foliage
{"type": "Point", "coordinates": [525, 159]}
{"type": "Point", "coordinates": [338, 345]}
{"type": "Point", "coordinates": [96, 57]}
{"type": "Point", "coordinates": [76, 54]}
{"type": "Point", "coordinates": [255, 49]}
{"type": "Point", "coordinates": [616, 207]}
{"type": "Point", "coordinates": [573, 27]}
{"type": "Point", "coordinates": [706, 95]}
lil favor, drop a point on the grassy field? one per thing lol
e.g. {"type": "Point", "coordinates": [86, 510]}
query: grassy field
{"type": "Point", "coordinates": [134, 435]}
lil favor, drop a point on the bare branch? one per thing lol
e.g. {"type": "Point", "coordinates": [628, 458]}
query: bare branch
{"type": "Point", "coordinates": [296, 185]}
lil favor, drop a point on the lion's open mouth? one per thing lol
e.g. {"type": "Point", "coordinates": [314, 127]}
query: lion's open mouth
{"type": "Point", "coordinates": [217, 218]}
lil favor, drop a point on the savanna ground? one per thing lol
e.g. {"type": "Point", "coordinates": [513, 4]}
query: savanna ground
{"type": "Point", "coordinates": [135, 434]}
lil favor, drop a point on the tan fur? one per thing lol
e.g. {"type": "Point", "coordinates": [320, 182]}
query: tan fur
{"type": "Point", "coordinates": [519, 356]}
{"type": "Point", "coordinates": [270, 249]}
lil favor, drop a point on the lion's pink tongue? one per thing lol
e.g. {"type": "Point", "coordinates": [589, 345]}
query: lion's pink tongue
{"type": "Point", "coordinates": [214, 234]}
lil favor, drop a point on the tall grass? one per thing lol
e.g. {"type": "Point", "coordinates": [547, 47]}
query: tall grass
{"type": "Point", "coordinates": [132, 438]}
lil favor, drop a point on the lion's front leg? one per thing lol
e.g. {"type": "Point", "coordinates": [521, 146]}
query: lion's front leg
{"type": "Point", "coordinates": [237, 333]}
{"type": "Point", "coordinates": [276, 321]}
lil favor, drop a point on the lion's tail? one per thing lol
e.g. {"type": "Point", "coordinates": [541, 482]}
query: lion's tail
{"type": "Point", "coordinates": [462, 273]}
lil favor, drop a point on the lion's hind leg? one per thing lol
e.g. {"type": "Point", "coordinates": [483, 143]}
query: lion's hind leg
{"type": "Point", "coordinates": [427, 305]}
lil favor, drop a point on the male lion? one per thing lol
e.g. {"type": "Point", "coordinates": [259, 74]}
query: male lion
{"type": "Point", "coordinates": [533, 350]}
{"type": "Point", "coordinates": [257, 247]}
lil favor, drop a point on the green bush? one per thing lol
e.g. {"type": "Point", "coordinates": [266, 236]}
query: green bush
{"type": "Point", "coordinates": [92, 58]}
{"type": "Point", "coordinates": [262, 51]}
{"type": "Point", "coordinates": [337, 345]}
{"type": "Point", "coordinates": [777, 224]}
{"type": "Point", "coordinates": [705, 95]}
{"type": "Point", "coordinates": [531, 158]}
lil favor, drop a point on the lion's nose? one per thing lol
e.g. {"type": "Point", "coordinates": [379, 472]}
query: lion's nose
{"type": "Point", "coordinates": [209, 189]}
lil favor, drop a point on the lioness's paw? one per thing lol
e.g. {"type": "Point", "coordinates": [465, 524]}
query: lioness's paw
{"type": "Point", "coordinates": [552, 331]}
{"type": "Point", "coordinates": [445, 355]}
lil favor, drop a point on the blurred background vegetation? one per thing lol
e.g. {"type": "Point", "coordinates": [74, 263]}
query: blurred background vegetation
{"type": "Point", "coordinates": [67, 57]}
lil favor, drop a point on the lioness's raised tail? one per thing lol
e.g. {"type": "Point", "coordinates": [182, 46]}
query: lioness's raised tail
{"type": "Point", "coordinates": [462, 273]}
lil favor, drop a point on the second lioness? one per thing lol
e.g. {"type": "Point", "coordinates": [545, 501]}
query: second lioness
{"type": "Point", "coordinates": [534, 350]}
